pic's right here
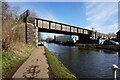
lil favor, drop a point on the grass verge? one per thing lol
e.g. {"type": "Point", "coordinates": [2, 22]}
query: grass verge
{"type": "Point", "coordinates": [10, 60]}
{"type": "Point", "coordinates": [58, 69]}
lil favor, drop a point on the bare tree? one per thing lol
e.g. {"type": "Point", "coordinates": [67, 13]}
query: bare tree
{"type": "Point", "coordinates": [9, 20]}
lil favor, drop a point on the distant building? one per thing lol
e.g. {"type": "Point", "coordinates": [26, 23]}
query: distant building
{"type": "Point", "coordinates": [118, 36]}
{"type": "Point", "coordinates": [107, 36]}
{"type": "Point", "coordinates": [64, 38]}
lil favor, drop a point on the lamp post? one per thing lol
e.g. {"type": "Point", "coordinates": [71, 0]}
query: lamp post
{"type": "Point", "coordinates": [93, 32]}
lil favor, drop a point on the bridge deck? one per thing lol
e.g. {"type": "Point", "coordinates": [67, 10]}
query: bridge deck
{"type": "Point", "coordinates": [56, 27]}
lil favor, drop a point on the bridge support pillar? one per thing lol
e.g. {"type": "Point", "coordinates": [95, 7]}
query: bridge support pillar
{"type": "Point", "coordinates": [36, 36]}
{"type": "Point", "coordinates": [84, 39]}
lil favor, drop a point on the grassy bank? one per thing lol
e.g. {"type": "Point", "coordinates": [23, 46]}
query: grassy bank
{"type": "Point", "coordinates": [97, 46]}
{"type": "Point", "coordinates": [58, 69]}
{"type": "Point", "coordinates": [10, 59]}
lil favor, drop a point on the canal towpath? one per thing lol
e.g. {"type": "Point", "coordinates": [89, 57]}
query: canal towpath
{"type": "Point", "coordinates": [36, 66]}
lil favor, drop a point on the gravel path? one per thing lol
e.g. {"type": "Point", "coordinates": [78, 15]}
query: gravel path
{"type": "Point", "coordinates": [35, 66]}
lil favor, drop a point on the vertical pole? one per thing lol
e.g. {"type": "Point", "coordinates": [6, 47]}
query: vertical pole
{"type": "Point", "coordinates": [49, 25]}
{"type": "Point", "coordinates": [61, 27]}
{"type": "Point", "coordinates": [114, 68]}
{"type": "Point", "coordinates": [114, 73]}
{"type": "Point", "coordinates": [77, 30]}
{"type": "Point", "coordinates": [95, 36]}
{"type": "Point", "coordinates": [70, 28]}
{"type": "Point", "coordinates": [83, 31]}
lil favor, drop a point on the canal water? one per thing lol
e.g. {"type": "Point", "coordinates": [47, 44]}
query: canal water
{"type": "Point", "coordinates": [84, 63]}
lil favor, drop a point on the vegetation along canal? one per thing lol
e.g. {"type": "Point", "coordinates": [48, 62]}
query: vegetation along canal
{"type": "Point", "coordinates": [86, 63]}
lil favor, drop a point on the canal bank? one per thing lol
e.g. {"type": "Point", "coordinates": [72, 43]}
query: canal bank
{"type": "Point", "coordinates": [58, 69]}
{"type": "Point", "coordinates": [40, 64]}
{"type": "Point", "coordinates": [97, 46]}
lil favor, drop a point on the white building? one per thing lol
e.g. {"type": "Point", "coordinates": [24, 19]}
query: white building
{"type": "Point", "coordinates": [66, 38]}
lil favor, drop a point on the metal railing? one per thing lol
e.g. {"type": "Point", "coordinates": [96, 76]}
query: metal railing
{"type": "Point", "coordinates": [61, 26]}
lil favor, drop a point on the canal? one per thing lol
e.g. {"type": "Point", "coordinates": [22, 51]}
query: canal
{"type": "Point", "coordinates": [84, 63]}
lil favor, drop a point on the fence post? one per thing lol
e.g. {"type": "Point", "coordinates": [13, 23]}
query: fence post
{"type": "Point", "coordinates": [114, 68]}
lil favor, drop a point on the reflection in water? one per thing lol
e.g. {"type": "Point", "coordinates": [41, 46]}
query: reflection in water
{"type": "Point", "coordinates": [85, 63]}
{"type": "Point", "coordinates": [119, 54]}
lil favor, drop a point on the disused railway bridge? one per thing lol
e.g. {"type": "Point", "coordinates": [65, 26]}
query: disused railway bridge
{"type": "Point", "coordinates": [42, 25]}
{"type": "Point", "coordinates": [61, 28]}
